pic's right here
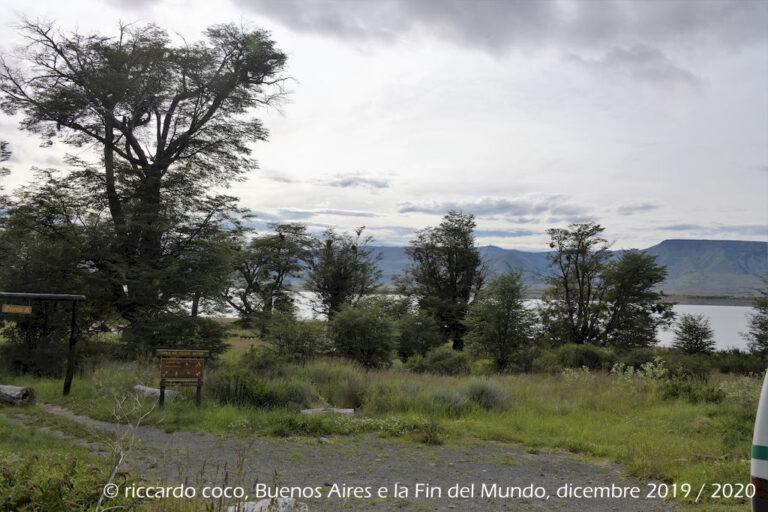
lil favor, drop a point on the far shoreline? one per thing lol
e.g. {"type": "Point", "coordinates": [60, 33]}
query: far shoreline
{"type": "Point", "coordinates": [688, 300]}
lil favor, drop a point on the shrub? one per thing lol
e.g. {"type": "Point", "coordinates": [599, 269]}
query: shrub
{"type": "Point", "coordinates": [363, 334]}
{"type": "Point", "coordinates": [418, 333]}
{"type": "Point", "coordinates": [694, 335]}
{"type": "Point", "coordinates": [483, 367]}
{"type": "Point", "coordinates": [695, 366]}
{"type": "Point", "coordinates": [487, 394]}
{"type": "Point", "coordinates": [37, 483]}
{"type": "Point", "coordinates": [238, 386]}
{"type": "Point", "coordinates": [432, 433]}
{"type": "Point", "coordinates": [294, 339]}
{"type": "Point", "coordinates": [441, 361]}
{"type": "Point", "coordinates": [453, 401]}
{"type": "Point", "coordinates": [586, 355]}
{"type": "Point", "coordinates": [637, 357]}
{"type": "Point", "coordinates": [744, 391]}
{"type": "Point", "coordinates": [694, 392]}
{"type": "Point", "coordinates": [738, 362]}
{"type": "Point", "coordinates": [547, 362]}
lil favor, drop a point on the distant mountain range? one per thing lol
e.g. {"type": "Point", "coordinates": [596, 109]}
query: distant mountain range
{"type": "Point", "coordinates": [695, 267]}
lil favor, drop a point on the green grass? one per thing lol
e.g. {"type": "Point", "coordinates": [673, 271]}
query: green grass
{"type": "Point", "coordinates": [599, 415]}
{"type": "Point", "coordinates": [40, 471]}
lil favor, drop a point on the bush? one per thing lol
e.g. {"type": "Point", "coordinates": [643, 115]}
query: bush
{"type": "Point", "coordinates": [418, 333]}
{"type": "Point", "coordinates": [453, 401]}
{"type": "Point", "coordinates": [547, 362]}
{"type": "Point", "coordinates": [238, 386]}
{"type": "Point", "coordinates": [44, 360]}
{"type": "Point", "coordinates": [41, 484]}
{"type": "Point", "coordinates": [694, 392]}
{"type": "Point", "coordinates": [689, 366]}
{"type": "Point", "coordinates": [487, 394]}
{"type": "Point", "coordinates": [294, 339]}
{"type": "Point", "coordinates": [441, 361]}
{"type": "Point", "coordinates": [363, 334]}
{"type": "Point", "coordinates": [483, 367]}
{"type": "Point", "coordinates": [637, 357]}
{"type": "Point", "coordinates": [586, 355]}
{"type": "Point", "coordinates": [741, 363]}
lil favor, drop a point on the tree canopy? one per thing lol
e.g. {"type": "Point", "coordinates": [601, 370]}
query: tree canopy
{"type": "Point", "coordinates": [445, 273]}
{"type": "Point", "coordinates": [341, 270]}
{"type": "Point", "coordinates": [172, 121]}
{"type": "Point", "coordinates": [596, 298]}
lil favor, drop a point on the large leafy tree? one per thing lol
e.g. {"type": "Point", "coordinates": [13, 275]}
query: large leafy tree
{"type": "Point", "coordinates": [446, 272]}
{"type": "Point", "coordinates": [264, 267]}
{"type": "Point", "coordinates": [500, 325]}
{"type": "Point", "coordinates": [171, 120]}
{"type": "Point", "coordinates": [635, 308]}
{"type": "Point", "coordinates": [596, 298]}
{"type": "Point", "coordinates": [341, 270]}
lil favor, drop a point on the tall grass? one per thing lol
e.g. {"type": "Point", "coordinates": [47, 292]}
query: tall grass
{"type": "Point", "coordinates": [622, 417]}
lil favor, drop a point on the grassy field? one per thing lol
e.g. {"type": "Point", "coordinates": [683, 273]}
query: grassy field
{"type": "Point", "coordinates": [654, 429]}
{"type": "Point", "coordinates": [618, 418]}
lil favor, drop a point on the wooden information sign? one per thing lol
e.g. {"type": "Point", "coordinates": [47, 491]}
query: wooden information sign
{"type": "Point", "coordinates": [17, 309]}
{"type": "Point", "coordinates": [181, 368]}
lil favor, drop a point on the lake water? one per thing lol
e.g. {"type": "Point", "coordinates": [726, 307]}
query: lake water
{"type": "Point", "coordinates": [728, 322]}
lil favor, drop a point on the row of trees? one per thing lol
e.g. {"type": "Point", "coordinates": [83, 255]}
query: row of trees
{"type": "Point", "coordinates": [142, 233]}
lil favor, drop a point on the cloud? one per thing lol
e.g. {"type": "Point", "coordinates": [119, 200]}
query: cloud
{"type": "Point", "coordinates": [285, 214]}
{"type": "Point", "coordinates": [356, 180]}
{"type": "Point", "coordinates": [504, 233]}
{"type": "Point", "coordinates": [498, 26]}
{"type": "Point", "coordinates": [277, 177]}
{"type": "Point", "coordinates": [737, 230]}
{"type": "Point", "coordinates": [640, 63]}
{"type": "Point", "coordinates": [520, 207]}
{"type": "Point", "coordinates": [633, 208]}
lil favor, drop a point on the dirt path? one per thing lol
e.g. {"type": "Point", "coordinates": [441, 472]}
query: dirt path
{"type": "Point", "coordinates": [369, 461]}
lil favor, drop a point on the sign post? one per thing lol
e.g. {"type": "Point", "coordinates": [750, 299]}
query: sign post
{"type": "Point", "coordinates": [20, 309]}
{"type": "Point", "coordinates": [181, 368]}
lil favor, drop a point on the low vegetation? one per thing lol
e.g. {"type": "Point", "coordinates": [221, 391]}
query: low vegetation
{"type": "Point", "coordinates": [664, 423]}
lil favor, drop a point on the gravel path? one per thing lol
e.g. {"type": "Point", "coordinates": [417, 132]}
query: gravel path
{"type": "Point", "coordinates": [369, 461]}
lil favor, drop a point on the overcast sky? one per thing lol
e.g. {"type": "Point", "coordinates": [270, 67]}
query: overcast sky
{"type": "Point", "coordinates": [650, 118]}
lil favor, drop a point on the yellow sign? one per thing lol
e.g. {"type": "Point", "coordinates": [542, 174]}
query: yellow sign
{"type": "Point", "coordinates": [17, 309]}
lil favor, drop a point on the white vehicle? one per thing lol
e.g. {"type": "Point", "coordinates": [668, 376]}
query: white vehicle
{"type": "Point", "coordinates": [760, 453]}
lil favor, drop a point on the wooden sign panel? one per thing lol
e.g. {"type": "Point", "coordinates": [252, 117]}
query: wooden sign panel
{"type": "Point", "coordinates": [17, 309]}
{"type": "Point", "coordinates": [181, 368]}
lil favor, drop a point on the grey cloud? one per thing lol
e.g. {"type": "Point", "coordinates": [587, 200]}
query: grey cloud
{"type": "Point", "coordinates": [632, 208]}
{"type": "Point", "coordinates": [743, 229]}
{"type": "Point", "coordinates": [502, 233]}
{"type": "Point", "coordinates": [497, 26]}
{"type": "Point", "coordinates": [640, 63]}
{"type": "Point", "coordinates": [282, 214]}
{"type": "Point", "coordinates": [554, 204]}
{"type": "Point", "coordinates": [356, 180]}
{"type": "Point", "coordinates": [279, 178]}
